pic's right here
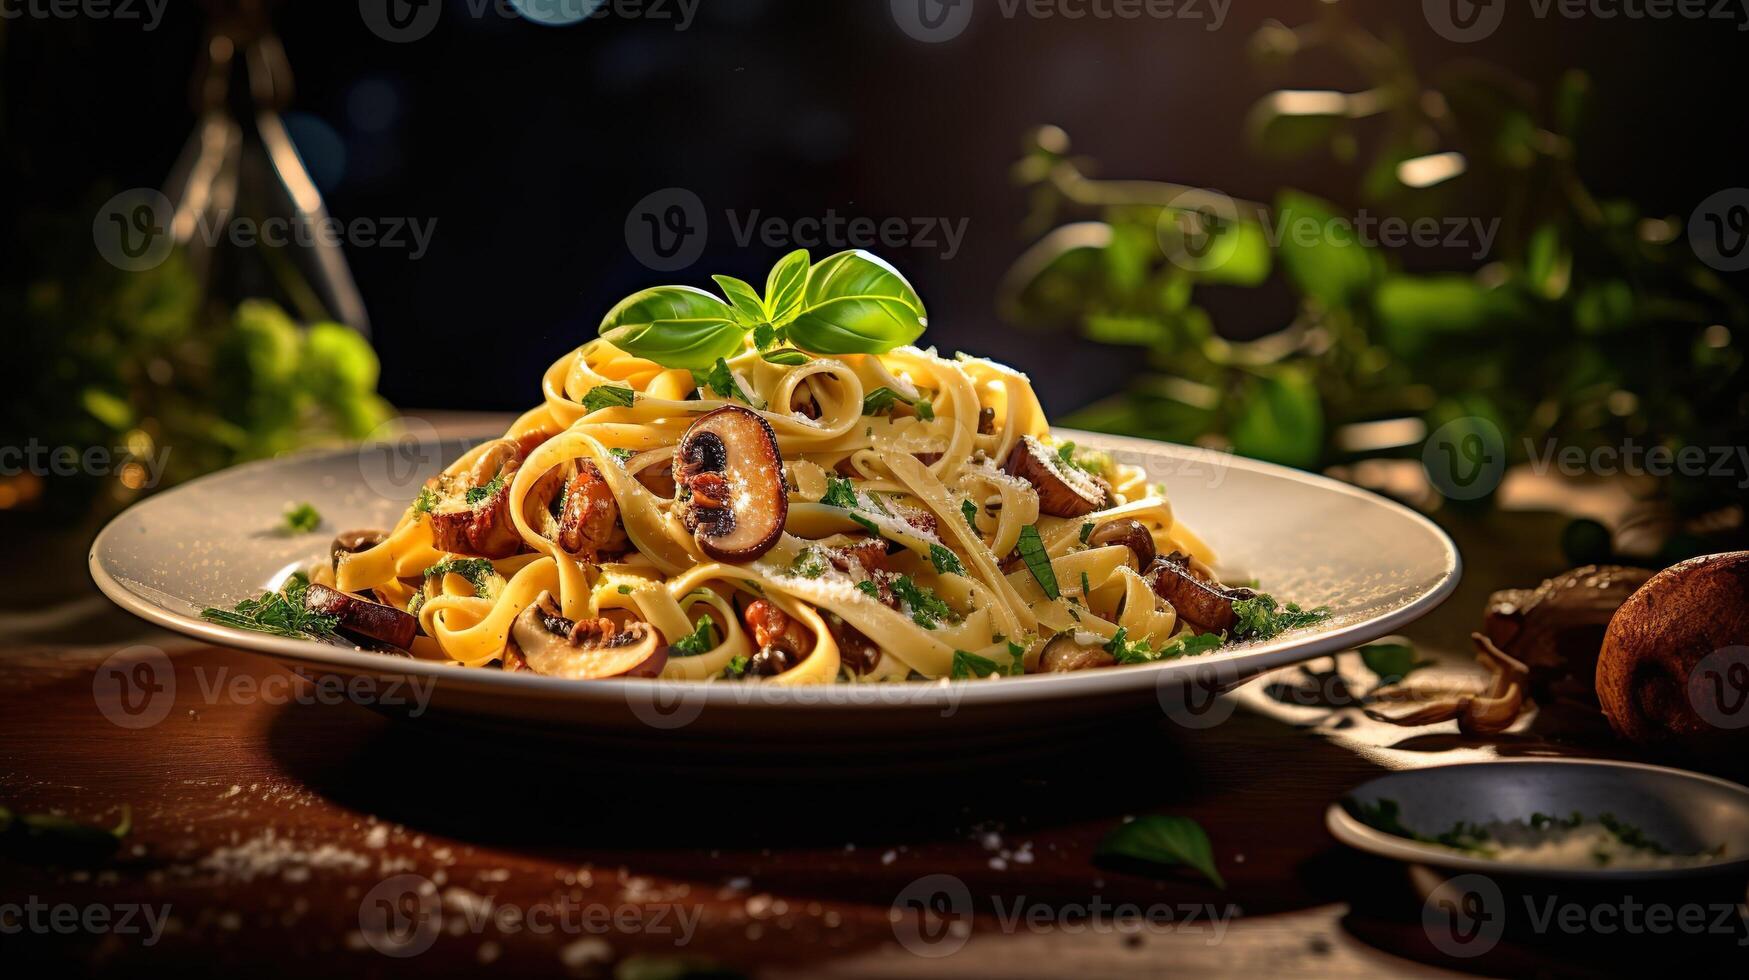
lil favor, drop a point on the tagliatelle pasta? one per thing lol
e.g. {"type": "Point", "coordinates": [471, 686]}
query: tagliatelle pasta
{"type": "Point", "coordinates": [800, 516]}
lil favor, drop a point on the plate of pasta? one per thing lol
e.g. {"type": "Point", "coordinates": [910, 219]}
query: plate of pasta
{"type": "Point", "coordinates": [752, 510]}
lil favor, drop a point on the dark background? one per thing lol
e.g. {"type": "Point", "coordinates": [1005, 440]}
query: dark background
{"type": "Point", "coordinates": [529, 145]}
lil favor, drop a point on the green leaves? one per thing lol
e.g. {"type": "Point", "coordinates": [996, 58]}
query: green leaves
{"type": "Point", "coordinates": [855, 303]}
{"type": "Point", "coordinates": [945, 561]}
{"type": "Point", "coordinates": [1280, 418]}
{"type": "Point", "coordinates": [609, 396]}
{"type": "Point", "coordinates": [1391, 662]}
{"type": "Point", "coordinates": [1038, 561]}
{"type": "Point", "coordinates": [785, 286]}
{"type": "Point", "coordinates": [702, 639]}
{"type": "Point", "coordinates": [301, 519]}
{"type": "Point", "coordinates": [721, 382]}
{"type": "Point", "coordinates": [675, 326]}
{"type": "Point", "coordinates": [849, 303]}
{"type": "Point", "coordinates": [1163, 840]}
{"type": "Point", "coordinates": [1261, 619]}
{"type": "Point", "coordinates": [1321, 252]}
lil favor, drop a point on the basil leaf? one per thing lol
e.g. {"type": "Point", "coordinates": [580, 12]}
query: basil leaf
{"type": "Point", "coordinates": [785, 287]}
{"type": "Point", "coordinates": [749, 308]}
{"type": "Point", "coordinates": [675, 326]}
{"type": "Point", "coordinates": [764, 337]}
{"type": "Point", "coordinates": [1038, 562]}
{"type": "Point", "coordinates": [855, 303]}
{"type": "Point", "coordinates": [608, 396]}
{"type": "Point", "coordinates": [788, 356]}
{"type": "Point", "coordinates": [1391, 662]}
{"type": "Point", "coordinates": [1163, 840]}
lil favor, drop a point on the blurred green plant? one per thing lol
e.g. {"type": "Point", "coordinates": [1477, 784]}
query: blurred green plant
{"type": "Point", "coordinates": [1590, 323]}
{"type": "Point", "coordinates": [134, 363]}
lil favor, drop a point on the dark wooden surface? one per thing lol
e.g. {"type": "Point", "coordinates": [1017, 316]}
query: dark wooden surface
{"type": "Point", "coordinates": [262, 827]}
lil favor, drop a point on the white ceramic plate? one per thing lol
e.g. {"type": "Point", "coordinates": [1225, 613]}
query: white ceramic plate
{"type": "Point", "coordinates": [1376, 564]}
{"type": "Point", "coordinates": [1684, 811]}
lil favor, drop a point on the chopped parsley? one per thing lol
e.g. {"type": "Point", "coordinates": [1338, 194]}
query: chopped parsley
{"type": "Point", "coordinates": [1127, 651]}
{"type": "Point", "coordinates": [970, 510]}
{"type": "Point", "coordinates": [625, 590]}
{"type": "Point", "coordinates": [866, 524]}
{"type": "Point", "coordinates": [1087, 462]}
{"type": "Point", "coordinates": [721, 382]}
{"type": "Point", "coordinates": [608, 396]}
{"type": "Point", "coordinates": [737, 666]}
{"type": "Point", "coordinates": [623, 454]}
{"type": "Point", "coordinates": [868, 588]}
{"type": "Point", "coordinates": [1259, 619]}
{"type": "Point", "coordinates": [278, 613]}
{"type": "Point", "coordinates": [969, 665]}
{"type": "Point", "coordinates": [927, 608]}
{"type": "Point", "coordinates": [880, 402]}
{"type": "Point", "coordinates": [486, 491]}
{"type": "Point", "coordinates": [1086, 531]}
{"type": "Point", "coordinates": [840, 492]}
{"type": "Point", "coordinates": [478, 572]}
{"type": "Point", "coordinates": [1032, 552]}
{"type": "Point", "coordinates": [425, 503]}
{"type": "Point", "coordinates": [808, 564]}
{"type": "Point", "coordinates": [945, 561]}
{"type": "Point", "coordinates": [301, 519]}
{"type": "Point", "coordinates": [702, 639]}
{"type": "Point", "coordinates": [1085, 588]}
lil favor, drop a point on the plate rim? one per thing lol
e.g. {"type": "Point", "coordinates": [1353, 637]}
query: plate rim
{"type": "Point", "coordinates": [1349, 830]}
{"type": "Point", "coordinates": [938, 693]}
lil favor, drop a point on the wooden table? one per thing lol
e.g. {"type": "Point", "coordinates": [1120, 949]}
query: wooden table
{"type": "Point", "coordinates": [279, 836]}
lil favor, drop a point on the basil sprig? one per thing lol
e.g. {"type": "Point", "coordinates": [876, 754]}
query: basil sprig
{"type": "Point", "coordinates": [848, 303]}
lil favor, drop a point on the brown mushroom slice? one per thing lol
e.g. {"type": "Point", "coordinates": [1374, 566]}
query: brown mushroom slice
{"type": "Point", "coordinates": [589, 524]}
{"type": "Point", "coordinates": [353, 542]}
{"type": "Point", "coordinates": [1063, 491]}
{"type": "Point", "coordinates": [361, 619]}
{"type": "Point", "coordinates": [1130, 533]}
{"type": "Point", "coordinates": [781, 640]}
{"type": "Point", "coordinates": [554, 646]}
{"type": "Point", "coordinates": [1488, 712]}
{"type": "Point", "coordinates": [1066, 652]}
{"type": "Point", "coordinates": [855, 650]}
{"type": "Point", "coordinates": [729, 479]}
{"type": "Point", "coordinates": [472, 517]}
{"type": "Point", "coordinates": [1206, 606]}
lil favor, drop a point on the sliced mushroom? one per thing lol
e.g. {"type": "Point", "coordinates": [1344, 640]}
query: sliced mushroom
{"type": "Point", "coordinates": [589, 525]}
{"type": "Point", "coordinates": [986, 421]}
{"type": "Point", "coordinates": [868, 554]}
{"type": "Point", "coordinates": [361, 619]}
{"type": "Point", "coordinates": [1206, 606]}
{"type": "Point", "coordinates": [1063, 491]}
{"type": "Point", "coordinates": [855, 650]}
{"type": "Point", "coordinates": [1557, 628]}
{"type": "Point", "coordinates": [472, 516]}
{"type": "Point", "coordinates": [1130, 533]}
{"type": "Point", "coordinates": [1486, 713]}
{"type": "Point", "coordinates": [353, 542]}
{"type": "Point", "coordinates": [781, 640]}
{"type": "Point", "coordinates": [555, 646]}
{"type": "Point", "coordinates": [1066, 652]}
{"type": "Point", "coordinates": [729, 478]}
